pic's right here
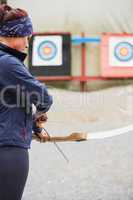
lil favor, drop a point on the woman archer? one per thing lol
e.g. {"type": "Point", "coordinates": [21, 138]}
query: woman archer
{"type": "Point", "coordinates": [16, 120]}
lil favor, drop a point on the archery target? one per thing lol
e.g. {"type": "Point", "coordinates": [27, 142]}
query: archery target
{"type": "Point", "coordinates": [124, 51]}
{"type": "Point", "coordinates": [47, 51]}
{"type": "Point", "coordinates": [121, 52]}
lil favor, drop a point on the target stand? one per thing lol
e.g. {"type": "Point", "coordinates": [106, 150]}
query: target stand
{"type": "Point", "coordinates": [50, 54]}
{"type": "Point", "coordinates": [117, 55]}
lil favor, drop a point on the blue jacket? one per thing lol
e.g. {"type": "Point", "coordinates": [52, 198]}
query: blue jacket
{"type": "Point", "coordinates": [18, 91]}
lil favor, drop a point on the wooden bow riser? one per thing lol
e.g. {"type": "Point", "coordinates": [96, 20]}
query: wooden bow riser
{"type": "Point", "coordinates": [74, 137]}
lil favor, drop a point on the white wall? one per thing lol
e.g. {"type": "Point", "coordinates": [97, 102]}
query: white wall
{"type": "Point", "coordinates": [93, 16]}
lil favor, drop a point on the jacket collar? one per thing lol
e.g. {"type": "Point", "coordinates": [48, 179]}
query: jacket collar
{"type": "Point", "coordinates": [20, 55]}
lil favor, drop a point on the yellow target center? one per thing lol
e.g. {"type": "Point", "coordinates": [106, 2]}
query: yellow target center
{"type": "Point", "coordinates": [47, 50]}
{"type": "Point", "coordinates": [124, 51]}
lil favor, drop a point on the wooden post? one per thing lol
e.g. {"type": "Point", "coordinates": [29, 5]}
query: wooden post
{"type": "Point", "coordinates": [83, 66]}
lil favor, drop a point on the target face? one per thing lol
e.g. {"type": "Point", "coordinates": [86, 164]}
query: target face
{"type": "Point", "coordinates": [47, 51]}
{"type": "Point", "coordinates": [124, 51]}
{"type": "Point", "coordinates": [117, 55]}
{"type": "Point", "coordinates": [121, 51]}
{"type": "Point", "coordinates": [50, 54]}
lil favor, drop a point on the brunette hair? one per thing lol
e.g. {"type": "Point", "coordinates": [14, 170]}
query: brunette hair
{"type": "Point", "coordinates": [8, 13]}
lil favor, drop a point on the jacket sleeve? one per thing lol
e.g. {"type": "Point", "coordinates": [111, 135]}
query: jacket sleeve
{"type": "Point", "coordinates": [16, 74]}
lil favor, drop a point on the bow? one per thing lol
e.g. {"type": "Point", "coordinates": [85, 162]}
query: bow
{"type": "Point", "coordinates": [77, 137]}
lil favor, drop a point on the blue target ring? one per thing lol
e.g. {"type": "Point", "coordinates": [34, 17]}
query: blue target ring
{"type": "Point", "coordinates": [47, 50]}
{"type": "Point", "coordinates": [124, 51]}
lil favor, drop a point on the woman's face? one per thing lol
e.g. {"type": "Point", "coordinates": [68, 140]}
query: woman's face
{"type": "Point", "coordinates": [21, 43]}
{"type": "Point", "coordinates": [18, 43]}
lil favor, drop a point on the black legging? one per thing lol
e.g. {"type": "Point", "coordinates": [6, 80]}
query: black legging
{"type": "Point", "coordinates": [14, 167]}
